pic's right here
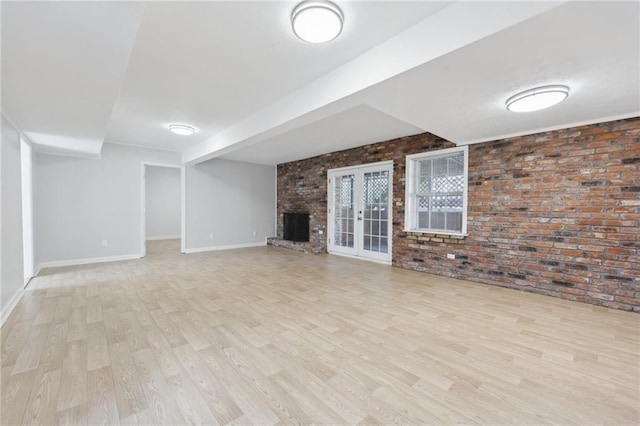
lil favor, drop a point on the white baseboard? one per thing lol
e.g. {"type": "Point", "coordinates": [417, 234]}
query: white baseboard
{"type": "Point", "coordinates": [170, 237]}
{"type": "Point", "coordinates": [11, 306]}
{"type": "Point", "coordinates": [87, 261]}
{"type": "Point", "coordinates": [229, 247]}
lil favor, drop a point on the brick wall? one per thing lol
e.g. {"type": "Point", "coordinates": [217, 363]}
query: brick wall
{"type": "Point", "coordinates": [555, 213]}
{"type": "Point", "coordinates": [302, 185]}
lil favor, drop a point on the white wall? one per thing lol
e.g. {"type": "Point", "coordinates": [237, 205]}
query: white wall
{"type": "Point", "coordinates": [81, 202]}
{"type": "Point", "coordinates": [26, 154]}
{"type": "Point", "coordinates": [11, 271]}
{"type": "Point", "coordinates": [226, 202]}
{"type": "Point", "coordinates": [163, 203]}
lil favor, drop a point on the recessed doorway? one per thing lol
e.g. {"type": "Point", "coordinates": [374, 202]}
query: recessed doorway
{"type": "Point", "coordinates": [162, 209]}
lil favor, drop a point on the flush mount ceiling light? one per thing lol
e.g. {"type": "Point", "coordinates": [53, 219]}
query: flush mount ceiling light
{"type": "Point", "coordinates": [538, 98]}
{"type": "Point", "coordinates": [317, 21]}
{"type": "Point", "coordinates": [182, 129]}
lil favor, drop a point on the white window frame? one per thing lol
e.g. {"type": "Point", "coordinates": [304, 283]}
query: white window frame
{"type": "Point", "coordinates": [410, 190]}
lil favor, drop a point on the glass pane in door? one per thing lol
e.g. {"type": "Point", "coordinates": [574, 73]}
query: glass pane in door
{"type": "Point", "coordinates": [344, 217]}
{"type": "Point", "coordinates": [376, 215]}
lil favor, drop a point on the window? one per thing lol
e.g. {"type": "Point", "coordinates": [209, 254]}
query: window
{"type": "Point", "coordinates": [436, 192]}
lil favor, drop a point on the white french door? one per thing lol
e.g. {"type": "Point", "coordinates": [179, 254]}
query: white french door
{"type": "Point", "coordinates": [359, 211]}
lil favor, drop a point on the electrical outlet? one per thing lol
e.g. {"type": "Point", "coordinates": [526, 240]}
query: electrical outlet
{"type": "Point", "coordinates": [104, 243]}
{"type": "Point", "coordinates": [211, 236]}
{"type": "Point", "coordinates": [451, 256]}
{"type": "Point", "coordinates": [254, 233]}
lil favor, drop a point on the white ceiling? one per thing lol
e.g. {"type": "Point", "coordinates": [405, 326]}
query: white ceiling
{"type": "Point", "coordinates": [213, 63]}
{"type": "Point", "coordinates": [62, 69]}
{"type": "Point", "coordinates": [354, 127]}
{"type": "Point", "coordinates": [75, 74]}
{"type": "Point", "coordinates": [592, 47]}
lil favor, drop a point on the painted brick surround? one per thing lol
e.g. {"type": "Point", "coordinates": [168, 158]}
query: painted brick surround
{"type": "Point", "coordinates": [555, 213]}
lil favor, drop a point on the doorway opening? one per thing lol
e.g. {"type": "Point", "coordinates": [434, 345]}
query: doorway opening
{"type": "Point", "coordinates": [162, 208]}
{"type": "Point", "coordinates": [359, 211]}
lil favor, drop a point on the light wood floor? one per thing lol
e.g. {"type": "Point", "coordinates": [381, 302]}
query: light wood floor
{"type": "Point", "coordinates": [267, 335]}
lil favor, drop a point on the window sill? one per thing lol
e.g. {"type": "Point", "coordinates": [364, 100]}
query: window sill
{"type": "Point", "coordinates": [436, 234]}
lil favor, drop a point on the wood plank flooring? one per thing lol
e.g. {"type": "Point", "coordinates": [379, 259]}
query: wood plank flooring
{"type": "Point", "coordinates": [271, 336]}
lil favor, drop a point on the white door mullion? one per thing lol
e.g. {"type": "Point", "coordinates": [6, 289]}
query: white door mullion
{"type": "Point", "coordinates": [359, 213]}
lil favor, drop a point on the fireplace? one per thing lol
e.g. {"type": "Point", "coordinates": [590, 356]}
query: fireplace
{"type": "Point", "coordinates": [296, 226]}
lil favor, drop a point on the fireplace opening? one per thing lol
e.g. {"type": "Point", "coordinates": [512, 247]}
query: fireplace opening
{"type": "Point", "coordinates": [296, 226]}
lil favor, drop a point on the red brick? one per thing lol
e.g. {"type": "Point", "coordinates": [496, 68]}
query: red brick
{"type": "Point", "coordinates": [573, 211]}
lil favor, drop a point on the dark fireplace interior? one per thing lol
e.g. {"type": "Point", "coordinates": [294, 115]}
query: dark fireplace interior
{"type": "Point", "coordinates": [296, 226]}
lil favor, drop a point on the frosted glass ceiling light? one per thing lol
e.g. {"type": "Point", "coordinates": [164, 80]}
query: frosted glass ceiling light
{"type": "Point", "coordinates": [182, 129]}
{"type": "Point", "coordinates": [317, 21]}
{"type": "Point", "coordinates": [538, 98]}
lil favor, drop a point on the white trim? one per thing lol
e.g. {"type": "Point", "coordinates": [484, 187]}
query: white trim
{"type": "Point", "coordinates": [42, 149]}
{"type": "Point", "coordinates": [228, 247]}
{"type": "Point", "coordinates": [368, 259]}
{"type": "Point", "coordinates": [11, 306]}
{"type": "Point", "coordinates": [551, 128]}
{"type": "Point", "coordinates": [357, 166]}
{"type": "Point", "coordinates": [143, 210]}
{"type": "Point", "coordinates": [183, 209]}
{"type": "Point", "coordinates": [166, 237]}
{"type": "Point", "coordinates": [358, 250]}
{"type": "Point", "coordinates": [436, 152]}
{"type": "Point", "coordinates": [13, 124]}
{"type": "Point", "coordinates": [275, 194]}
{"type": "Point", "coordinates": [410, 184]}
{"type": "Point", "coordinates": [143, 203]}
{"type": "Point", "coordinates": [152, 164]}
{"type": "Point", "coordinates": [133, 145]}
{"type": "Point", "coordinates": [87, 261]}
{"type": "Point", "coordinates": [386, 257]}
{"type": "Point", "coordinates": [434, 232]}
{"type": "Point", "coordinates": [332, 174]}
{"type": "Point", "coordinates": [26, 187]}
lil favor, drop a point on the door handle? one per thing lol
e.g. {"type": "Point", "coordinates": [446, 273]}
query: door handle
{"type": "Point", "coordinates": [359, 218]}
